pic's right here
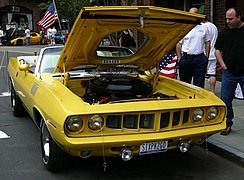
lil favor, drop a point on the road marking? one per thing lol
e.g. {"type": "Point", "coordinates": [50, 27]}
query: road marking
{"type": "Point", "coordinates": [5, 94]}
{"type": "Point", "coordinates": [1, 65]}
{"type": "Point", "coordinates": [3, 135]}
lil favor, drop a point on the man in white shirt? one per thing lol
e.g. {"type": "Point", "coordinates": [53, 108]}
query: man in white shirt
{"type": "Point", "coordinates": [190, 54]}
{"type": "Point", "coordinates": [53, 33]}
{"type": "Point", "coordinates": [27, 36]}
{"type": "Point", "coordinates": [212, 61]}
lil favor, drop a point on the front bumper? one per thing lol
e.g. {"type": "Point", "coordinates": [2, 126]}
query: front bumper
{"type": "Point", "coordinates": [112, 145]}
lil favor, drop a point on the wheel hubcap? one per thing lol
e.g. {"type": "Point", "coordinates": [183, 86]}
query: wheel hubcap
{"type": "Point", "coordinates": [13, 99]}
{"type": "Point", "coordinates": [45, 142]}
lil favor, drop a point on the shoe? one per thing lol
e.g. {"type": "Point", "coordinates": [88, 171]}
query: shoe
{"type": "Point", "coordinates": [227, 131]}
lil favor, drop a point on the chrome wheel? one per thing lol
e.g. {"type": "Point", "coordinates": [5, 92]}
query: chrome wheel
{"type": "Point", "coordinates": [45, 143]}
{"type": "Point", "coordinates": [54, 158]}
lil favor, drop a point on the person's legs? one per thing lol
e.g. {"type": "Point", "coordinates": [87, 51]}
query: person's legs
{"type": "Point", "coordinates": [211, 73]}
{"type": "Point", "coordinates": [212, 83]}
{"type": "Point", "coordinates": [186, 68]}
{"type": "Point", "coordinates": [200, 69]}
{"type": "Point", "coordinates": [28, 41]}
{"type": "Point", "coordinates": [228, 86]}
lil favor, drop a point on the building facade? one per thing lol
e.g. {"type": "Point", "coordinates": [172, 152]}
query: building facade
{"type": "Point", "coordinates": [19, 14]}
{"type": "Point", "coordinates": [215, 9]}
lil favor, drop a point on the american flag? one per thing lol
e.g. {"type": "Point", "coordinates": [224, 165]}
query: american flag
{"type": "Point", "coordinates": [167, 66]}
{"type": "Point", "coordinates": [49, 17]}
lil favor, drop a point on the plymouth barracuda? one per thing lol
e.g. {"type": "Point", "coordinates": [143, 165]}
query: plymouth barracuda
{"type": "Point", "coordinates": [91, 98]}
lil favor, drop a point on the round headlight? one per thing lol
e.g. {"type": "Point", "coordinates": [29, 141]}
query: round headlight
{"type": "Point", "coordinates": [95, 122]}
{"type": "Point", "coordinates": [197, 115]}
{"type": "Point", "coordinates": [73, 124]}
{"type": "Point", "coordinates": [212, 113]}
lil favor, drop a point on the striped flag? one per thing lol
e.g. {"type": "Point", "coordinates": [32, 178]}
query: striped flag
{"type": "Point", "coordinates": [49, 17]}
{"type": "Point", "coordinates": [167, 66]}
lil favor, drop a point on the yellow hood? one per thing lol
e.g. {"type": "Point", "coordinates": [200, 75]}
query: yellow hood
{"type": "Point", "coordinates": [163, 28]}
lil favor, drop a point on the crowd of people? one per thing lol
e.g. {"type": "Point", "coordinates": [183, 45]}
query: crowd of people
{"type": "Point", "coordinates": [200, 50]}
{"type": "Point", "coordinates": [47, 36]}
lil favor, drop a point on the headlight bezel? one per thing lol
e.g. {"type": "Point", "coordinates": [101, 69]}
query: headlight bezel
{"type": "Point", "coordinates": [197, 115]}
{"type": "Point", "coordinates": [77, 120]}
{"type": "Point", "coordinates": [211, 109]}
{"type": "Point", "coordinates": [96, 119]}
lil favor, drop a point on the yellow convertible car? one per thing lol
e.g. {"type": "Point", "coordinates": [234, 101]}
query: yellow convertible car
{"type": "Point", "coordinates": [94, 98]}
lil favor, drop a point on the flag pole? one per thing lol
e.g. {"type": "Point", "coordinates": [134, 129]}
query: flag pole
{"type": "Point", "coordinates": [57, 15]}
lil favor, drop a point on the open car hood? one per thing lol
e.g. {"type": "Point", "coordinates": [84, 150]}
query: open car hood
{"type": "Point", "coordinates": [162, 27]}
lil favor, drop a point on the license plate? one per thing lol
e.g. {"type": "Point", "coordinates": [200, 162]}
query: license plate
{"type": "Point", "coordinates": [153, 147]}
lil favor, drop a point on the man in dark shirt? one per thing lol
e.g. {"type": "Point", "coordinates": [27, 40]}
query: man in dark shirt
{"type": "Point", "coordinates": [127, 39]}
{"type": "Point", "coordinates": [229, 51]}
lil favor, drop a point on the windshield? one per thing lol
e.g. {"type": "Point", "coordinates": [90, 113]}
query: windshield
{"type": "Point", "coordinates": [49, 59]}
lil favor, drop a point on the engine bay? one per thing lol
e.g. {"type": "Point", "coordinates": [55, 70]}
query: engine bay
{"type": "Point", "coordinates": [107, 89]}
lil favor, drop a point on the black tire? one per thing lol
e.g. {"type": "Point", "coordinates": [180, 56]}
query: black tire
{"type": "Point", "coordinates": [16, 104]}
{"type": "Point", "coordinates": [54, 158]}
{"type": "Point", "coordinates": [19, 42]}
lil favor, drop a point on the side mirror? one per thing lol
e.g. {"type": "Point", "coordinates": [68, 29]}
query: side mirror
{"type": "Point", "coordinates": [24, 67]}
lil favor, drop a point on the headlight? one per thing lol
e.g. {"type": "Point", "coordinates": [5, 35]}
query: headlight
{"type": "Point", "coordinates": [212, 113]}
{"type": "Point", "coordinates": [95, 122]}
{"type": "Point", "coordinates": [197, 115]}
{"type": "Point", "coordinates": [73, 124]}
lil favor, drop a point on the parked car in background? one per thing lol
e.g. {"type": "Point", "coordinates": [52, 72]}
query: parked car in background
{"type": "Point", "coordinates": [91, 98]}
{"type": "Point", "coordinates": [59, 38]}
{"type": "Point", "coordinates": [21, 40]}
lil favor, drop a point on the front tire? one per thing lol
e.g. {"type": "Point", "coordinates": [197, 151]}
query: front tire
{"type": "Point", "coordinates": [54, 158]}
{"type": "Point", "coordinates": [19, 42]}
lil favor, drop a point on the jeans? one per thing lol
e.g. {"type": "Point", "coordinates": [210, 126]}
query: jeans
{"type": "Point", "coordinates": [28, 41]}
{"type": "Point", "coordinates": [228, 87]}
{"type": "Point", "coordinates": [193, 66]}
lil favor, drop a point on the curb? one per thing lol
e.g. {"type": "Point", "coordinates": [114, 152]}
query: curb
{"type": "Point", "coordinates": [224, 150]}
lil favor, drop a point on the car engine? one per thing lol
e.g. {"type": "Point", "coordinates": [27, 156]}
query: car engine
{"type": "Point", "coordinates": [110, 88]}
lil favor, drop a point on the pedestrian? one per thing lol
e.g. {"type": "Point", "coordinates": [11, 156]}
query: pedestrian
{"type": "Point", "coordinates": [127, 39]}
{"type": "Point", "coordinates": [27, 36]}
{"type": "Point", "coordinates": [53, 34]}
{"type": "Point", "coordinates": [42, 36]}
{"type": "Point", "coordinates": [212, 61]}
{"type": "Point", "coordinates": [229, 51]}
{"type": "Point", "coordinates": [49, 35]}
{"type": "Point", "coordinates": [190, 54]}
{"type": "Point", "coordinates": [1, 35]}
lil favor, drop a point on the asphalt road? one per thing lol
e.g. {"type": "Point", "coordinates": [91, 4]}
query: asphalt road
{"type": "Point", "coordinates": [20, 153]}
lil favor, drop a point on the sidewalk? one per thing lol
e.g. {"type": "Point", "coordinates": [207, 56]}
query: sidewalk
{"type": "Point", "coordinates": [231, 146]}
